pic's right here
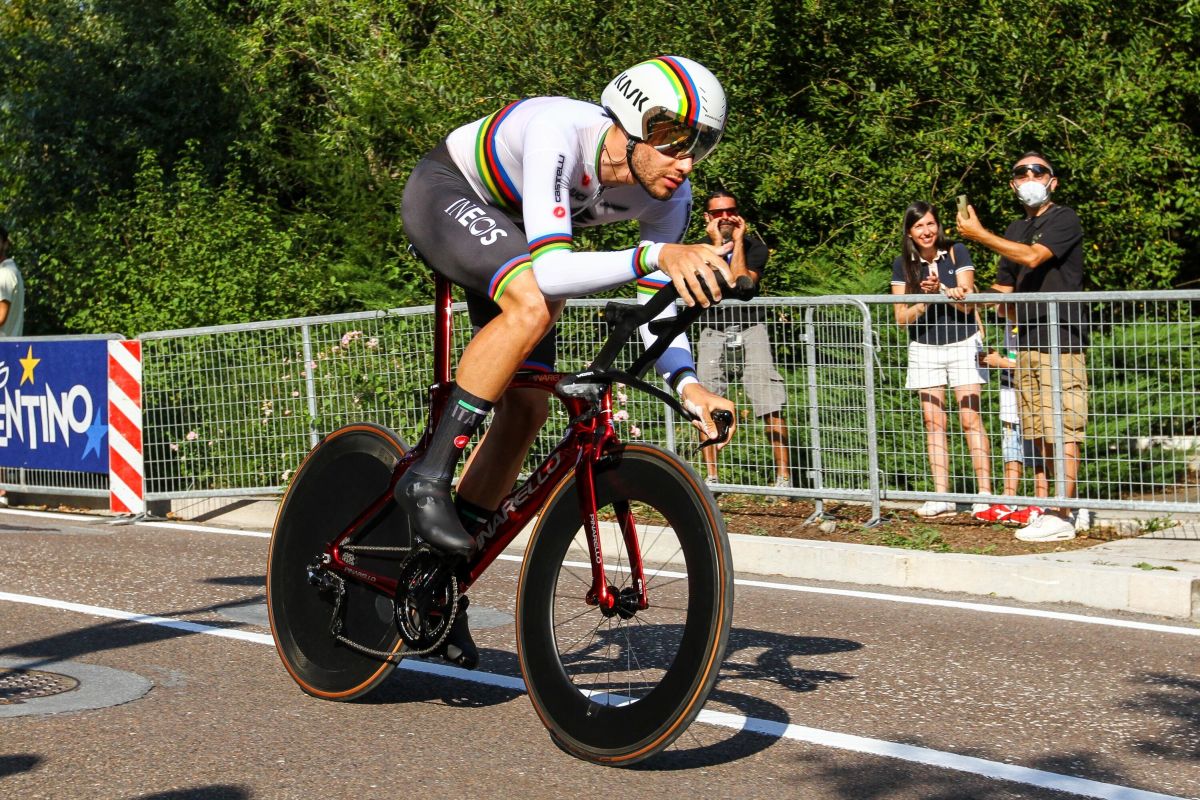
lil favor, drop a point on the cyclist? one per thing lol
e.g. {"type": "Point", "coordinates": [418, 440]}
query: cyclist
{"type": "Point", "coordinates": [492, 208]}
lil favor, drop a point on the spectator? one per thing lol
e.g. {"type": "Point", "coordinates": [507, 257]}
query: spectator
{"type": "Point", "coordinates": [1043, 252]}
{"type": "Point", "coordinates": [944, 347]}
{"type": "Point", "coordinates": [1015, 449]}
{"type": "Point", "coordinates": [12, 291]}
{"type": "Point", "coordinates": [733, 337]}
{"type": "Point", "coordinates": [12, 309]}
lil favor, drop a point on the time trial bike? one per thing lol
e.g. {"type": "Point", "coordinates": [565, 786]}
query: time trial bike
{"type": "Point", "coordinates": [625, 592]}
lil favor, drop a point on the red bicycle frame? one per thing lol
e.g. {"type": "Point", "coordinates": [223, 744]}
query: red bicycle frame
{"type": "Point", "coordinates": [589, 437]}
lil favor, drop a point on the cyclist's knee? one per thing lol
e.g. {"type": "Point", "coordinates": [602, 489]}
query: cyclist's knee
{"type": "Point", "coordinates": [524, 305]}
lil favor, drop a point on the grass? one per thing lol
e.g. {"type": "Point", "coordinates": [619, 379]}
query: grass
{"type": "Point", "coordinates": [927, 539]}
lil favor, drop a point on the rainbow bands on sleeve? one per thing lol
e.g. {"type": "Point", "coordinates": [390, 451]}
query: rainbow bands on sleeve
{"type": "Point", "coordinates": [549, 243]}
{"type": "Point", "coordinates": [641, 265]}
{"type": "Point", "coordinates": [499, 185]}
{"type": "Point", "coordinates": [685, 88]}
{"type": "Point", "coordinates": [504, 276]}
{"type": "Point", "coordinates": [649, 286]}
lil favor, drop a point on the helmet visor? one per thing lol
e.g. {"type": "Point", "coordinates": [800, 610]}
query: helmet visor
{"type": "Point", "coordinates": [673, 136]}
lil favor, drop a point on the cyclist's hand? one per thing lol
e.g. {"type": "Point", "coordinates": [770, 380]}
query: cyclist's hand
{"type": "Point", "coordinates": [701, 401]}
{"type": "Point", "coordinates": [691, 267]}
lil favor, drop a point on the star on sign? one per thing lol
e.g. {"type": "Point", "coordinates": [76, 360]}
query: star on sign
{"type": "Point", "coordinates": [27, 365]}
{"type": "Point", "coordinates": [95, 434]}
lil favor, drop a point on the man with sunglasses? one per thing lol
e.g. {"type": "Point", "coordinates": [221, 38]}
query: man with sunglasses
{"type": "Point", "coordinates": [494, 206]}
{"type": "Point", "coordinates": [734, 341]}
{"type": "Point", "coordinates": [1043, 252]}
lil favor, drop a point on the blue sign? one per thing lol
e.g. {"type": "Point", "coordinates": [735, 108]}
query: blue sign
{"type": "Point", "coordinates": [54, 405]}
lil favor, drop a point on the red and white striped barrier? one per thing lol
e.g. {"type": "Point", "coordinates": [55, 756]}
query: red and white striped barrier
{"type": "Point", "coordinates": [126, 468]}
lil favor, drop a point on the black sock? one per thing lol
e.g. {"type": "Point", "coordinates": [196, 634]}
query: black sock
{"type": "Point", "coordinates": [463, 415]}
{"type": "Point", "coordinates": [473, 516]}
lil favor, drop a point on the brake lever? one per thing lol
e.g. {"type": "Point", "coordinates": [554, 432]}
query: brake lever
{"type": "Point", "coordinates": [724, 421]}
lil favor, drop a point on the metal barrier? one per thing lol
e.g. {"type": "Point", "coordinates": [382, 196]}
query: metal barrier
{"type": "Point", "coordinates": [231, 410]}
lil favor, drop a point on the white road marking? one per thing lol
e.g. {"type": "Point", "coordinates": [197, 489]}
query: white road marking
{"type": "Point", "coordinates": [798, 733]}
{"type": "Point", "coordinates": [986, 608]}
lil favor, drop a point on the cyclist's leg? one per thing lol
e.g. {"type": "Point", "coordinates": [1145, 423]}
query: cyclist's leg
{"type": "Point", "coordinates": [478, 247]}
{"type": "Point", "coordinates": [485, 370]}
{"type": "Point", "coordinates": [519, 416]}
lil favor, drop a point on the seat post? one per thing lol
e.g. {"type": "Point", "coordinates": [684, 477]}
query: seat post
{"type": "Point", "coordinates": [443, 329]}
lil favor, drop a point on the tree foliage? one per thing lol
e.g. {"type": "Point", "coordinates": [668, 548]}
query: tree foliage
{"type": "Point", "coordinates": [306, 116]}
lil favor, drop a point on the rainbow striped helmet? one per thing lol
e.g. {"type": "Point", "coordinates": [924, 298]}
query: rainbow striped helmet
{"type": "Point", "coordinates": [671, 103]}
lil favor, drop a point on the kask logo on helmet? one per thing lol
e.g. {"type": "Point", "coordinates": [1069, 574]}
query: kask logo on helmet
{"type": "Point", "coordinates": [630, 92]}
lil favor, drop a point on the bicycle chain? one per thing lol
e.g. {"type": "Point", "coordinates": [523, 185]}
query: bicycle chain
{"type": "Point", "coordinates": [335, 627]}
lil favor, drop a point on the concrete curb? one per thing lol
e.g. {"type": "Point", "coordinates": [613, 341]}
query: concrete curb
{"type": "Point", "coordinates": [1103, 577]}
{"type": "Point", "coordinates": [1031, 579]}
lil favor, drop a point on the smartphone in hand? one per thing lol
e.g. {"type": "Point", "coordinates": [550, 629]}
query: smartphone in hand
{"type": "Point", "coordinates": [962, 204]}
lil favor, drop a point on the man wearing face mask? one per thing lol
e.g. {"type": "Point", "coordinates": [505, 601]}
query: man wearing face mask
{"type": "Point", "coordinates": [1043, 252]}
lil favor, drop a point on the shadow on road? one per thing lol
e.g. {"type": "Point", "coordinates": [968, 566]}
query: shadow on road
{"type": "Point", "coordinates": [201, 793]}
{"type": "Point", "coordinates": [115, 635]}
{"type": "Point", "coordinates": [257, 581]}
{"type": "Point", "coordinates": [756, 658]}
{"type": "Point", "coordinates": [1176, 698]}
{"type": "Point", "coordinates": [20, 762]}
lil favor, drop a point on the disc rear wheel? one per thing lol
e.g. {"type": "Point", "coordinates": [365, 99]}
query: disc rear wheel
{"type": "Point", "coordinates": [340, 477]}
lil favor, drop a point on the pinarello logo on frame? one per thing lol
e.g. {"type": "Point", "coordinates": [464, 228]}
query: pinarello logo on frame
{"type": "Point", "coordinates": [461, 441]}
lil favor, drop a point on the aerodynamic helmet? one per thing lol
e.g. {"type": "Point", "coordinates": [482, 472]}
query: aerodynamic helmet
{"type": "Point", "coordinates": [671, 103]}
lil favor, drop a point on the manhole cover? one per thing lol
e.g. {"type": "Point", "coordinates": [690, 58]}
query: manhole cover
{"type": "Point", "coordinates": [19, 685]}
{"type": "Point", "coordinates": [35, 686]}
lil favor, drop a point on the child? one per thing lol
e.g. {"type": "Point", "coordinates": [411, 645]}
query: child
{"type": "Point", "coordinates": [1015, 449]}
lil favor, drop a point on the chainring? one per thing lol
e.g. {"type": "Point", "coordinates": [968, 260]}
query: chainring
{"type": "Point", "coordinates": [426, 601]}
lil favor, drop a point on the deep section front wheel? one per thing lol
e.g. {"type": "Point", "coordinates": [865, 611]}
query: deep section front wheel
{"type": "Point", "coordinates": [348, 470]}
{"type": "Point", "coordinates": [616, 687]}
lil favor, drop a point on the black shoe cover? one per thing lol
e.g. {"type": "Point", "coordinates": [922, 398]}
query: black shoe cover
{"type": "Point", "coordinates": [434, 517]}
{"type": "Point", "coordinates": [459, 648]}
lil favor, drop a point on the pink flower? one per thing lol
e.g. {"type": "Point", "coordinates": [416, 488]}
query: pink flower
{"type": "Point", "coordinates": [192, 436]}
{"type": "Point", "coordinates": [635, 432]}
{"type": "Point", "coordinates": [621, 415]}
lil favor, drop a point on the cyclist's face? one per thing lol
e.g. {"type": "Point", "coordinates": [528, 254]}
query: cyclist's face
{"type": "Point", "coordinates": [659, 174]}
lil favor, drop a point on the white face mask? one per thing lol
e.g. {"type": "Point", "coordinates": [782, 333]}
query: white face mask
{"type": "Point", "coordinates": [1033, 193]}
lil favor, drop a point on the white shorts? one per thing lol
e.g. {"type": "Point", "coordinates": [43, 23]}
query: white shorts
{"type": "Point", "coordinates": [955, 364]}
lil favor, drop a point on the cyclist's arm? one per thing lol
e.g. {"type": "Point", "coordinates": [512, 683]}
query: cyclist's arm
{"type": "Point", "coordinates": [675, 366]}
{"type": "Point", "coordinates": [549, 162]}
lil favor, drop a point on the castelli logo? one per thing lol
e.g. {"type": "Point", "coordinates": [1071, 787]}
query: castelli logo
{"type": "Point", "coordinates": [461, 441]}
{"type": "Point", "coordinates": [560, 212]}
{"type": "Point", "coordinates": [586, 179]}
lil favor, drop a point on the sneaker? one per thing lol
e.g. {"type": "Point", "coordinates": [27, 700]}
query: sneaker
{"type": "Point", "coordinates": [997, 513]}
{"type": "Point", "coordinates": [1047, 528]}
{"type": "Point", "coordinates": [1083, 520]}
{"type": "Point", "coordinates": [1024, 516]}
{"type": "Point", "coordinates": [783, 482]}
{"type": "Point", "coordinates": [459, 648]}
{"type": "Point", "coordinates": [935, 508]}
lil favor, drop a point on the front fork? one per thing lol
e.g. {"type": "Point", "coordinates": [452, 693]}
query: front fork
{"type": "Point", "coordinates": [611, 600]}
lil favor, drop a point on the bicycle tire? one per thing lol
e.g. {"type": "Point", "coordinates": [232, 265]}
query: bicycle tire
{"type": "Point", "coordinates": [610, 690]}
{"type": "Point", "coordinates": [340, 477]}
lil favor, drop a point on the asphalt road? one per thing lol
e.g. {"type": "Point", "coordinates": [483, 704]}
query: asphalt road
{"type": "Point", "coordinates": [827, 692]}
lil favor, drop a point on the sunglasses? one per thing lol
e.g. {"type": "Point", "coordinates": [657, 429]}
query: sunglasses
{"type": "Point", "coordinates": [675, 137]}
{"type": "Point", "coordinates": [1038, 170]}
{"type": "Point", "coordinates": [722, 212]}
